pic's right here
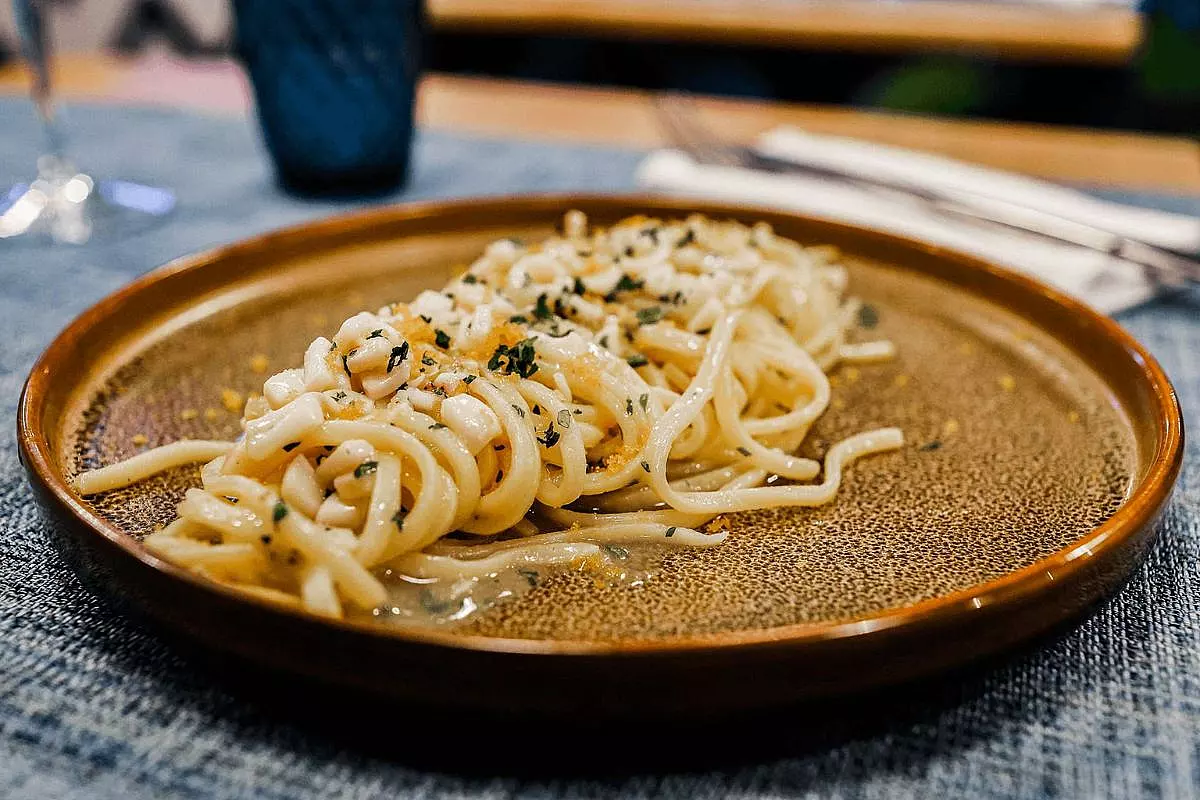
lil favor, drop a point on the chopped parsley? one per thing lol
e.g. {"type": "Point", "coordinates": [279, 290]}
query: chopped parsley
{"type": "Point", "coordinates": [518, 359]}
{"type": "Point", "coordinates": [687, 239]}
{"type": "Point", "coordinates": [365, 468]}
{"type": "Point", "coordinates": [519, 320]}
{"type": "Point", "coordinates": [530, 576]}
{"type": "Point", "coordinates": [671, 531]}
{"type": "Point", "coordinates": [541, 310]}
{"type": "Point", "coordinates": [426, 318]}
{"type": "Point", "coordinates": [280, 511]}
{"type": "Point", "coordinates": [744, 451]}
{"type": "Point", "coordinates": [646, 466]}
{"type": "Point", "coordinates": [433, 605]}
{"type": "Point", "coordinates": [437, 426]}
{"type": "Point", "coordinates": [398, 518]}
{"type": "Point", "coordinates": [428, 361]}
{"type": "Point", "coordinates": [627, 284]}
{"type": "Point", "coordinates": [929, 446]}
{"type": "Point", "coordinates": [868, 316]}
{"type": "Point", "coordinates": [468, 380]}
{"type": "Point", "coordinates": [616, 551]}
{"type": "Point", "coordinates": [551, 437]}
{"type": "Point", "coordinates": [629, 406]}
{"type": "Point", "coordinates": [339, 396]}
{"type": "Point", "coordinates": [441, 338]}
{"type": "Point", "coordinates": [644, 401]}
{"type": "Point", "coordinates": [637, 360]}
{"type": "Point", "coordinates": [520, 411]}
{"type": "Point", "coordinates": [469, 278]}
{"type": "Point", "coordinates": [649, 315]}
{"type": "Point", "coordinates": [376, 334]}
{"type": "Point", "coordinates": [578, 288]}
{"type": "Point", "coordinates": [399, 354]}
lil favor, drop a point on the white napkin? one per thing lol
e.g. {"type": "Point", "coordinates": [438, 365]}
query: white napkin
{"type": "Point", "coordinates": [926, 170]}
{"type": "Point", "coordinates": [1108, 284]}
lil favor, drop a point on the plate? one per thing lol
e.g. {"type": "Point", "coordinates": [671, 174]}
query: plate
{"type": "Point", "coordinates": [1043, 442]}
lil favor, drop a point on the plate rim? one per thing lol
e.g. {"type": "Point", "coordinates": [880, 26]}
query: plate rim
{"type": "Point", "coordinates": [1137, 511]}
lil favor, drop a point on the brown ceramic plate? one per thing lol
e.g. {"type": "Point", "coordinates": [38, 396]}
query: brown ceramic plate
{"type": "Point", "coordinates": [1042, 444]}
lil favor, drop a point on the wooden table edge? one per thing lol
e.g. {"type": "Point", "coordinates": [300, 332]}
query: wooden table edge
{"type": "Point", "coordinates": [1004, 30]}
{"type": "Point", "coordinates": [626, 118]}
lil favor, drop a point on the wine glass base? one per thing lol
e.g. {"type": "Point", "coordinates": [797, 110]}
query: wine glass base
{"type": "Point", "coordinates": [70, 207]}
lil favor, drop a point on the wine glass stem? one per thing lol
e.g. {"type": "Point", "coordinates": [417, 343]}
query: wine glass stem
{"type": "Point", "coordinates": [35, 46]}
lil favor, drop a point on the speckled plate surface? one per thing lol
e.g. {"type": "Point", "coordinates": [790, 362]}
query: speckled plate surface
{"type": "Point", "coordinates": [1042, 444]}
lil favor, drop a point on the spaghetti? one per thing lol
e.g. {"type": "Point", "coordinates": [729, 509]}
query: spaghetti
{"type": "Point", "coordinates": [603, 387]}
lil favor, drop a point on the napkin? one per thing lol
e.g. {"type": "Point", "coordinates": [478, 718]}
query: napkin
{"type": "Point", "coordinates": [1107, 283]}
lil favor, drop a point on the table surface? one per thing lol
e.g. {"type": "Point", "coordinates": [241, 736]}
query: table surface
{"type": "Point", "coordinates": [1034, 31]}
{"type": "Point", "coordinates": [627, 118]}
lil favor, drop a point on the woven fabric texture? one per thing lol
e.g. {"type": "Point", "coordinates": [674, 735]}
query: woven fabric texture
{"type": "Point", "coordinates": [95, 706]}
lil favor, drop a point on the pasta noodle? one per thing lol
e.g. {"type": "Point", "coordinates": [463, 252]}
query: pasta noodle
{"type": "Point", "coordinates": [557, 400]}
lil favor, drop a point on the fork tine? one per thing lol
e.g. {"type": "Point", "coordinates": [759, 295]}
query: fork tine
{"type": "Point", "coordinates": [679, 116]}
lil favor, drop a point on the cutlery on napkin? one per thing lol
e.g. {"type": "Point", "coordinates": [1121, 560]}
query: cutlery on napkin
{"type": "Point", "coordinates": [1107, 282]}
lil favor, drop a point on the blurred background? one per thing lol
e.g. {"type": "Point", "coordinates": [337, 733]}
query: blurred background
{"type": "Point", "coordinates": [1103, 63]}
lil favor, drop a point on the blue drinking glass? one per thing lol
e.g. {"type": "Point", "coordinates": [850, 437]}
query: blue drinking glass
{"type": "Point", "coordinates": [334, 82]}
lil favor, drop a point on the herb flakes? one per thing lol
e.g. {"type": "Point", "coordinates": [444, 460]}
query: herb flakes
{"type": "Point", "coordinates": [399, 354]}
{"type": "Point", "coordinates": [518, 359]}
{"type": "Point", "coordinates": [649, 315]}
{"type": "Point", "coordinates": [541, 310]}
{"type": "Point", "coordinates": [551, 436]}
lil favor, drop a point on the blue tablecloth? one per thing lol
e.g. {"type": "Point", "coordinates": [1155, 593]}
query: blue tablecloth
{"type": "Point", "coordinates": [95, 706]}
